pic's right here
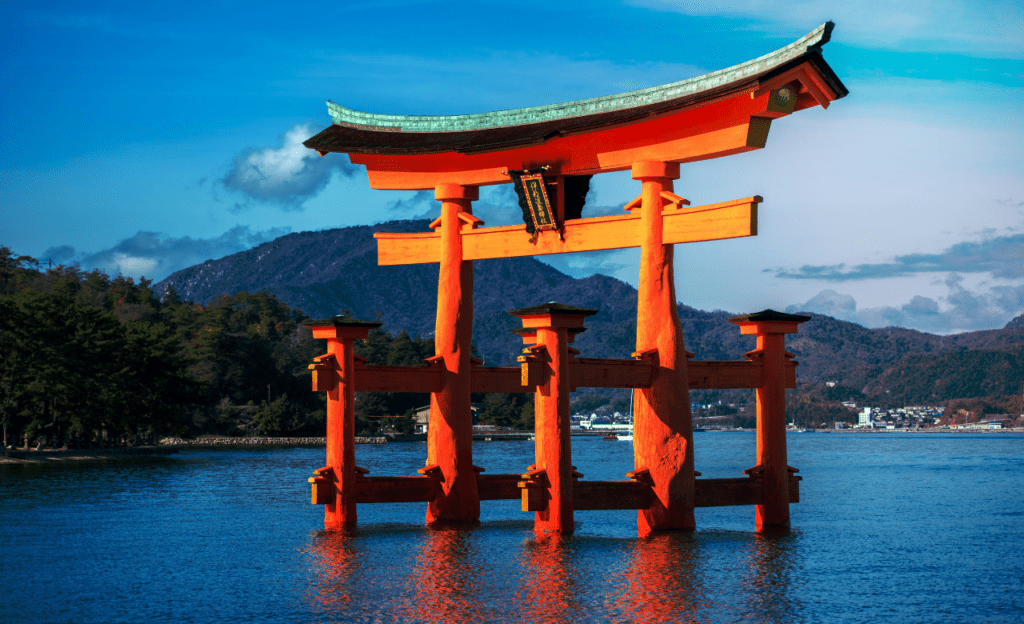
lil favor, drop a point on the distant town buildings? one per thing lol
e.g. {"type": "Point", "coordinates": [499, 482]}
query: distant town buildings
{"type": "Point", "coordinates": [910, 417]}
{"type": "Point", "coordinates": [595, 422]}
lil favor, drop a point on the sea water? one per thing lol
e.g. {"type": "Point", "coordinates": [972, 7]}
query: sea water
{"type": "Point", "coordinates": [896, 527]}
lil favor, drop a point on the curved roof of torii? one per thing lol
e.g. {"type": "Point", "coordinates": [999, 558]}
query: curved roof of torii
{"type": "Point", "coordinates": [390, 144]}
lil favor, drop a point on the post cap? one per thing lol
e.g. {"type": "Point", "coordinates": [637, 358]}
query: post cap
{"type": "Point", "coordinates": [340, 321]}
{"type": "Point", "coordinates": [553, 308]}
{"type": "Point", "coordinates": [769, 316]}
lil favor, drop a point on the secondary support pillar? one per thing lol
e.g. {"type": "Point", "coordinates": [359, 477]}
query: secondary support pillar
{"type": "Point", "coordinates": [662, 425]}
{"type": "Point", "coordinates": [450, 432]}
{"type": "Point", "coordinates": [771, 327]}
{"type": "Point", "coordinates": [333, 373]}
{"type": "Point", "coordinates": [551, 327]}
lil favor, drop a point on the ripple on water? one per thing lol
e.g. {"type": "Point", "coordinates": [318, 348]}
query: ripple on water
{"type": "Point", "coordinates": [917, 528]}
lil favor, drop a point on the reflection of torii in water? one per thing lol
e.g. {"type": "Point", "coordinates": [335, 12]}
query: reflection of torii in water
{"type": "Point", "coordinates": [548, 151]}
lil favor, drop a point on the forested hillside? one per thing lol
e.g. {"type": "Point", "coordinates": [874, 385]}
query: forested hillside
{"type": "Point", "coordinates": [965, 374]}
{"type": "Point", "coordinates": [86, 359]}
{"type": "Point", "coordinates": [328, 271]}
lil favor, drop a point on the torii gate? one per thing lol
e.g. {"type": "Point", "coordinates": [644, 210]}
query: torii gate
{"type": "Point", "coordinates": [545, 151]}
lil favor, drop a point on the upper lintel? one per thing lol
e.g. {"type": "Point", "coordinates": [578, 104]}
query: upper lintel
{"type": "Point", "coordinates": [724, 112]}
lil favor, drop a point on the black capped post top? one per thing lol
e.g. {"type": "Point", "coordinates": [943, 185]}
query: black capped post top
{"type": "Point", "coordinates": [553, 308]}
{"type": "Point", "coordinates": [768, 316]}
{"type": "Point", "coordinates": [341, 321]}
{"type": "Point", "coordinates": [532, 331]}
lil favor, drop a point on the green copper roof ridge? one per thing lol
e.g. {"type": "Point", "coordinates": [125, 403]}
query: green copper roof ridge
{"type": "Point", "coordinates": [578, 108]}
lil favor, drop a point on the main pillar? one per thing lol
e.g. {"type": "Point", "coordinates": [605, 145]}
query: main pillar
{"type": "Point", "coordinates": [771, 328]}
{"type": "Point", "coordinates": [555, 325]}
{"type": "Point", "coordinates": [662, 427]}
{"type": "Point", "coordinates": [450, 432]}
{"type": "Point", "coordinates": [334, 373]}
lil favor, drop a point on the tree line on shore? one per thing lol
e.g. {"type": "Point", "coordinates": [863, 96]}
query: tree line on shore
{"type": "Point", "coordinates": [88, 359]}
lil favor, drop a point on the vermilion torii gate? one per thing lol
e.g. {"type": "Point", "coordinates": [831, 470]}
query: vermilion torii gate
{"type": "Point", "coordinates": [547, 152]}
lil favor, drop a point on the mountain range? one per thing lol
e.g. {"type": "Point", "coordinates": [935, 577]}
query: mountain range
{"type": "Point", "coordinates": [326, 272]}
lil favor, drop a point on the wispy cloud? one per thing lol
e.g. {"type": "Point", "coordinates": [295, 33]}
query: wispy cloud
{"type": "Point", "coordinates": [959, 310]}
{"type": "Point", "coordinates": [587, 263]}
{"type": "Point", "coordinates": [61, 254]}
{"type": "Point", "coordinates": [155, 255]}
{"type": "Point", "coordinates": [1001, 256]}
{"type": "Point", "coordinates": [285, 176]}
{"type": "Point", "coordinates": [957, 26]}
{"type": "Point", "coordinates": [418, 205]}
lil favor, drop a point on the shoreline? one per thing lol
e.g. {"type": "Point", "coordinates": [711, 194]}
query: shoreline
{"type": "Point", "coordinates": [171, 446]}
{"type": "Point", "coordinates": [65, 455]}
{"type": "Point", "coordinates": [257, 441]}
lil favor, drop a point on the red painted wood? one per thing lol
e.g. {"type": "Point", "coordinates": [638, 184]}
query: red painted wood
{"type": "Point", "coordinates": [725, 127]}
{"type": "Point", "coordinates": [725, 220]}
{"type": "Point", "coordinates": [396, 489]}
{"type": "Point", "coordinates": [598, 495]}
{"type": "Point", "coordinates": [373, 378]}
{"type": "Point", "coordinates": [773, 513]}
{"type": "Point", "coordinates": [771, 434]}
{"type": "Point", "coordinates": [335, 374]}
{"type": "Point", "coordinates": [498, 486]}
{"type": "Point", "coordinates": [595, 373]}
{"type": "Point", "coordinates": [450, 432]}
{"type": "Point", "coordinates": [662, 428]}
{"type": "Point", "coordinates": [552, 473]}
{"type": "Point", "coordinates": [498, 379]}
{"type": "Point", "coordinates": [583, 373]}
{"type": "Point", "coordinates": [553, 447]}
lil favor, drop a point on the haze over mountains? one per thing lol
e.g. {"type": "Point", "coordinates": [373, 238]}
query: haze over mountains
{"type": "Point", "coordinates": [325, 272]}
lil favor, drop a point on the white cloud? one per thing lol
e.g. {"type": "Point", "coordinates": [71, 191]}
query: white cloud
{"type": "Point", "coordinates": [155, 255]}
{"type": "Point", "coordinates": [961, 309]}
{"type": "Point", "coordinates": [285, 176]}
{"type": "Point", "coordinates": [132, 266]}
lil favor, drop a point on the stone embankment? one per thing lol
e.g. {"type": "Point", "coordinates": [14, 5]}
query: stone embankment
{"type": "Point", "coordinates": [209, 441]}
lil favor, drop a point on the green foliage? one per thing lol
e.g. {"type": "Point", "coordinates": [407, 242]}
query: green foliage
{"type": "Point", "coordinates": [85, 357]}
{"type": "Point", "coordinates": [840, 393]}
{"type": "Point", "coordinates": [586, 403]}
{"type": "Point", "coordinates": [975, 409]}
{"type": "Point", "coordinates": [71, 370]}
{"type": "Point", "coordinates": [514, 410]}
{"type": "Point", "coordinates": [957, 375]}
{"type": "Point", "coordinates": [381, 348]}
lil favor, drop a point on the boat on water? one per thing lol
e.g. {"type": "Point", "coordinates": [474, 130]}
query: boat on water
{"type": "Point", "coordinates": [618, 436]}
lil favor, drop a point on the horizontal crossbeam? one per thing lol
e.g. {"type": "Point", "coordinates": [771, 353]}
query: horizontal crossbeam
{"type": "Point", "coordinates": [425, 489]}
{"type": "Point", "coordinates": [732, 219]}
{"type": "Point", "coordinates": [712, 375]}
{"type": "Point", "coordinates": [373, 378]}
{"type": "Point", "coordinates": [587, 495]}
{"type": "Point", "coordinates": [601, 373]}
{"type": "Point", "coordinates": [583, 373]}
{"type": "Point", "coordinates": [604, 495]}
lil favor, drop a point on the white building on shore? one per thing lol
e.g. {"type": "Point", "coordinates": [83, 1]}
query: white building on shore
{"type": "Point", "coordinates": [864, 418]}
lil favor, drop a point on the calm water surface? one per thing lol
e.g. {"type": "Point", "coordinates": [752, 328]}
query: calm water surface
{"type": "Point", "coordinates": [892, 528]}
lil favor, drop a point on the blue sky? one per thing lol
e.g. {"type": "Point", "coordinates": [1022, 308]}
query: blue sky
{"type": "Point", "coordinates": [144, 138]}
